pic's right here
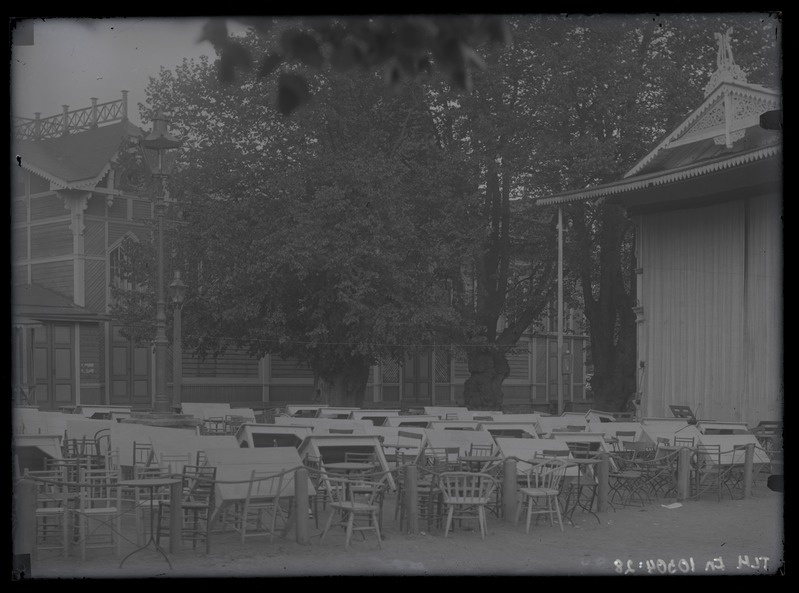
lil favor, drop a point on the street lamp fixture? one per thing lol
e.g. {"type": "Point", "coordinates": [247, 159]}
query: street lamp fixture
{"type": "Point", "coordinates": [155, 145]}
{"type": "Point", "coordinates": [177, 291]}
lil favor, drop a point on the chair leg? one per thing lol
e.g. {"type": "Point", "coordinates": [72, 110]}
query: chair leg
{"type": "Point", "coordinates": [529, 512]}
{"type": "Point", "coordinates": [327, 525]}
{"type": "Point", "coordinates": [482, 520]}
{"type": "Point", "coordinates": [350, 521]}
{"type": "Point", "coordinates": [377, 530]}
{"type": "Point", "coordinates": [557, 511]}
{"type": "Point", "coordinates": [450, 512]}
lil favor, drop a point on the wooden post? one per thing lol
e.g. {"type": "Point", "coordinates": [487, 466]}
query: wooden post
{"type": "Point", "coordinates": [750, 453]}
{"type": "Point", "coordinates": [175, 516]}
{"type": "Point", "coordinates": [23, 527]}
{"type": "Point", "coordinates": [301, 504]}
{"type": "Point", "coordinates": [509, 490]}
{"type": "Point", "coordinates": [94, 112]}
{"type": "Point", "coordinates": [125, 105]}
{"type": "Point", "coordinates": [683, 474]}
{"type": "Point", "coordinates": [602, 487]}
{"type": "Point", "coordinates": [412, 498]}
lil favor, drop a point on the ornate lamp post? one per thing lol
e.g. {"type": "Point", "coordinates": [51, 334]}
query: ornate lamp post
{"type": "Point", "coordinates": [156, 144]}
{"type": "Point", "coordinates": [178, 292]}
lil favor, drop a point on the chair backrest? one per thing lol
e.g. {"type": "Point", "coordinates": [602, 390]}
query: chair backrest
{"type": "Point", "coordinates": [174, 462]}
{"type": "Point", "coordinates": [51, 486]}
{"type": "Point", "coordinates": [583, 449]}
{"type": "Point", "coordinates": [625, 434]}
{"type": "Point", "coordinates": [357, 457]}
{"type": "Point", "coordinates": [465, 486]}
{"type": "Point", "coordinates": [684, 442]}
{"type": "Point", "coordinates": [143, 454]}
{"type": "Point", "coordinates": [639, 449]}
{"type": "Point", "coordinates": [708, 455]}
{"type": "Point", "coordinates": [98, 488]}
{"type": "Point", "coordinates": [481, 450]}
{"type": "Point", "coordinates": [198, 483]}
{"type": "Point", "coordinates": [548, 473]}
{"type": "Point", "coordinates": [441, 458]}
{"type": "Point", "coordinates": [338, 488]}
{"type": "Point", "coordinates": [266, 485]}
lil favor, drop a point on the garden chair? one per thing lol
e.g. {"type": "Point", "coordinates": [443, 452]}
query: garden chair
{"type": "Point", "coordinates": [466, 496]}
{"type": "Point", "coordinates": [540, 497]}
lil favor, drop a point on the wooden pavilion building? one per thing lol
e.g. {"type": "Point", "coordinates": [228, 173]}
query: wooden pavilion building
{"type": "Point", "coordinates": [707, 207]}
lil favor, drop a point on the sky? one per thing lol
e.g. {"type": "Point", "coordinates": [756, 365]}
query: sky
{"type": "Point", "coordinates": [72, 60]}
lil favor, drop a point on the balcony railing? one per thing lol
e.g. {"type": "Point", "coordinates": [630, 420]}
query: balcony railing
{"type": "Point", "coordinates": [69, 122]}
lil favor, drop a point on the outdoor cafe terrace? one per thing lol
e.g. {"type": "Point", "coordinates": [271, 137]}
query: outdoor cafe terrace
{"type": "Point", "coordinates": [95, 488]}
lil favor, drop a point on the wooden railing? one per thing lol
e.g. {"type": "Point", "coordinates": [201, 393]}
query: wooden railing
{"type": "Point", "coordinates": [68, 122]}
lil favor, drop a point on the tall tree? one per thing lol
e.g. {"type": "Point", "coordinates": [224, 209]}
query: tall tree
{"type": "Point", "coordinates": [319, 238]}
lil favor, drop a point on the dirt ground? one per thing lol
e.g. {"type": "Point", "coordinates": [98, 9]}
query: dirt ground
{"type": "Point", "coordinates": [706, 537]}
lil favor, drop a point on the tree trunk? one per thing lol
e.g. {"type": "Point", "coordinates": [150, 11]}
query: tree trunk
{"type": "Point", "coordinates": [483, 389]}
{"type": "Point", "coordinates": [346, 388]}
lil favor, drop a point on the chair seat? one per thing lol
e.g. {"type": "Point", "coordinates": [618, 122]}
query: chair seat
{"type": "Point", "coordinates": [354, 506]}
{"type": "Point", "coordinates": [465, 500]}
{"type": "Point", "coordinates": [540, 491]}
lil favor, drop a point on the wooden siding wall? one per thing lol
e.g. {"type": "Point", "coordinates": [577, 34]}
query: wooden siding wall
{"type": "Point", "coordinates": [695, 306]}
{"type": "Point", "coordinates": [48, 240]}
{"type": "Point", "coordinates": [47, 206]}
{"type": "Point", "coordinates": [764, 304]}
{"type": "Point", "coordinates": [19, 243]}
{"type": "Point", "coordinates": [56, 276]}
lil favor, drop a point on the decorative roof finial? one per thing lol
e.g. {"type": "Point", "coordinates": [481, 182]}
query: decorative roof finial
{"type": "Point", "coordinates": [726, 68]}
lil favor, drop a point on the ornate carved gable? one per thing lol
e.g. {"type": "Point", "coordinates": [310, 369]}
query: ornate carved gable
{"type": "Point", "coordinates": [731, 106]}
{"type": "Point", "coordinates": [725, 116]}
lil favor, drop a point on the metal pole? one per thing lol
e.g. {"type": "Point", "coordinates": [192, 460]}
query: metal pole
{"type": "Point", "coordinates": [161, 402]}
{"type": "Point", "coordinates": [560, 310]}
{"type": "Point", "coordinates": [177, 359]}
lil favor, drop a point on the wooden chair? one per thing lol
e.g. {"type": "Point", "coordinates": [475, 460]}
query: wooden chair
{"type": "Point", "coordinates": [52, 510]}
{"type": "Point", "coordinates": [621, 436]}
{"type": "Point", "coordinates": [98, 515]}
{"type": "Point", "coordinates": [141, 497]}
{"type": "Point", "coordinates": [174, 462]}
{"type": "Point", "coordinates": [197, 506]}
{"type": "Point", "coordinates": [684, 442]}
{"type": "Point", "coordinates": [318, 476]}
{"type": "Point", "coordinates": [540, 497]}
{"type": "Point", "coordinates": [346, 508]}
{"type": "Point", "coordinates": [466, 496]}
{"type": "Point", "coordinates": [708, 471]}
{"type": "Point", "coordinates": [262, 508]}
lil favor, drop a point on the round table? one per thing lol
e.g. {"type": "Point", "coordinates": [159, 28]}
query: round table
{"type": "Point", "coordinates": [151, 484]}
